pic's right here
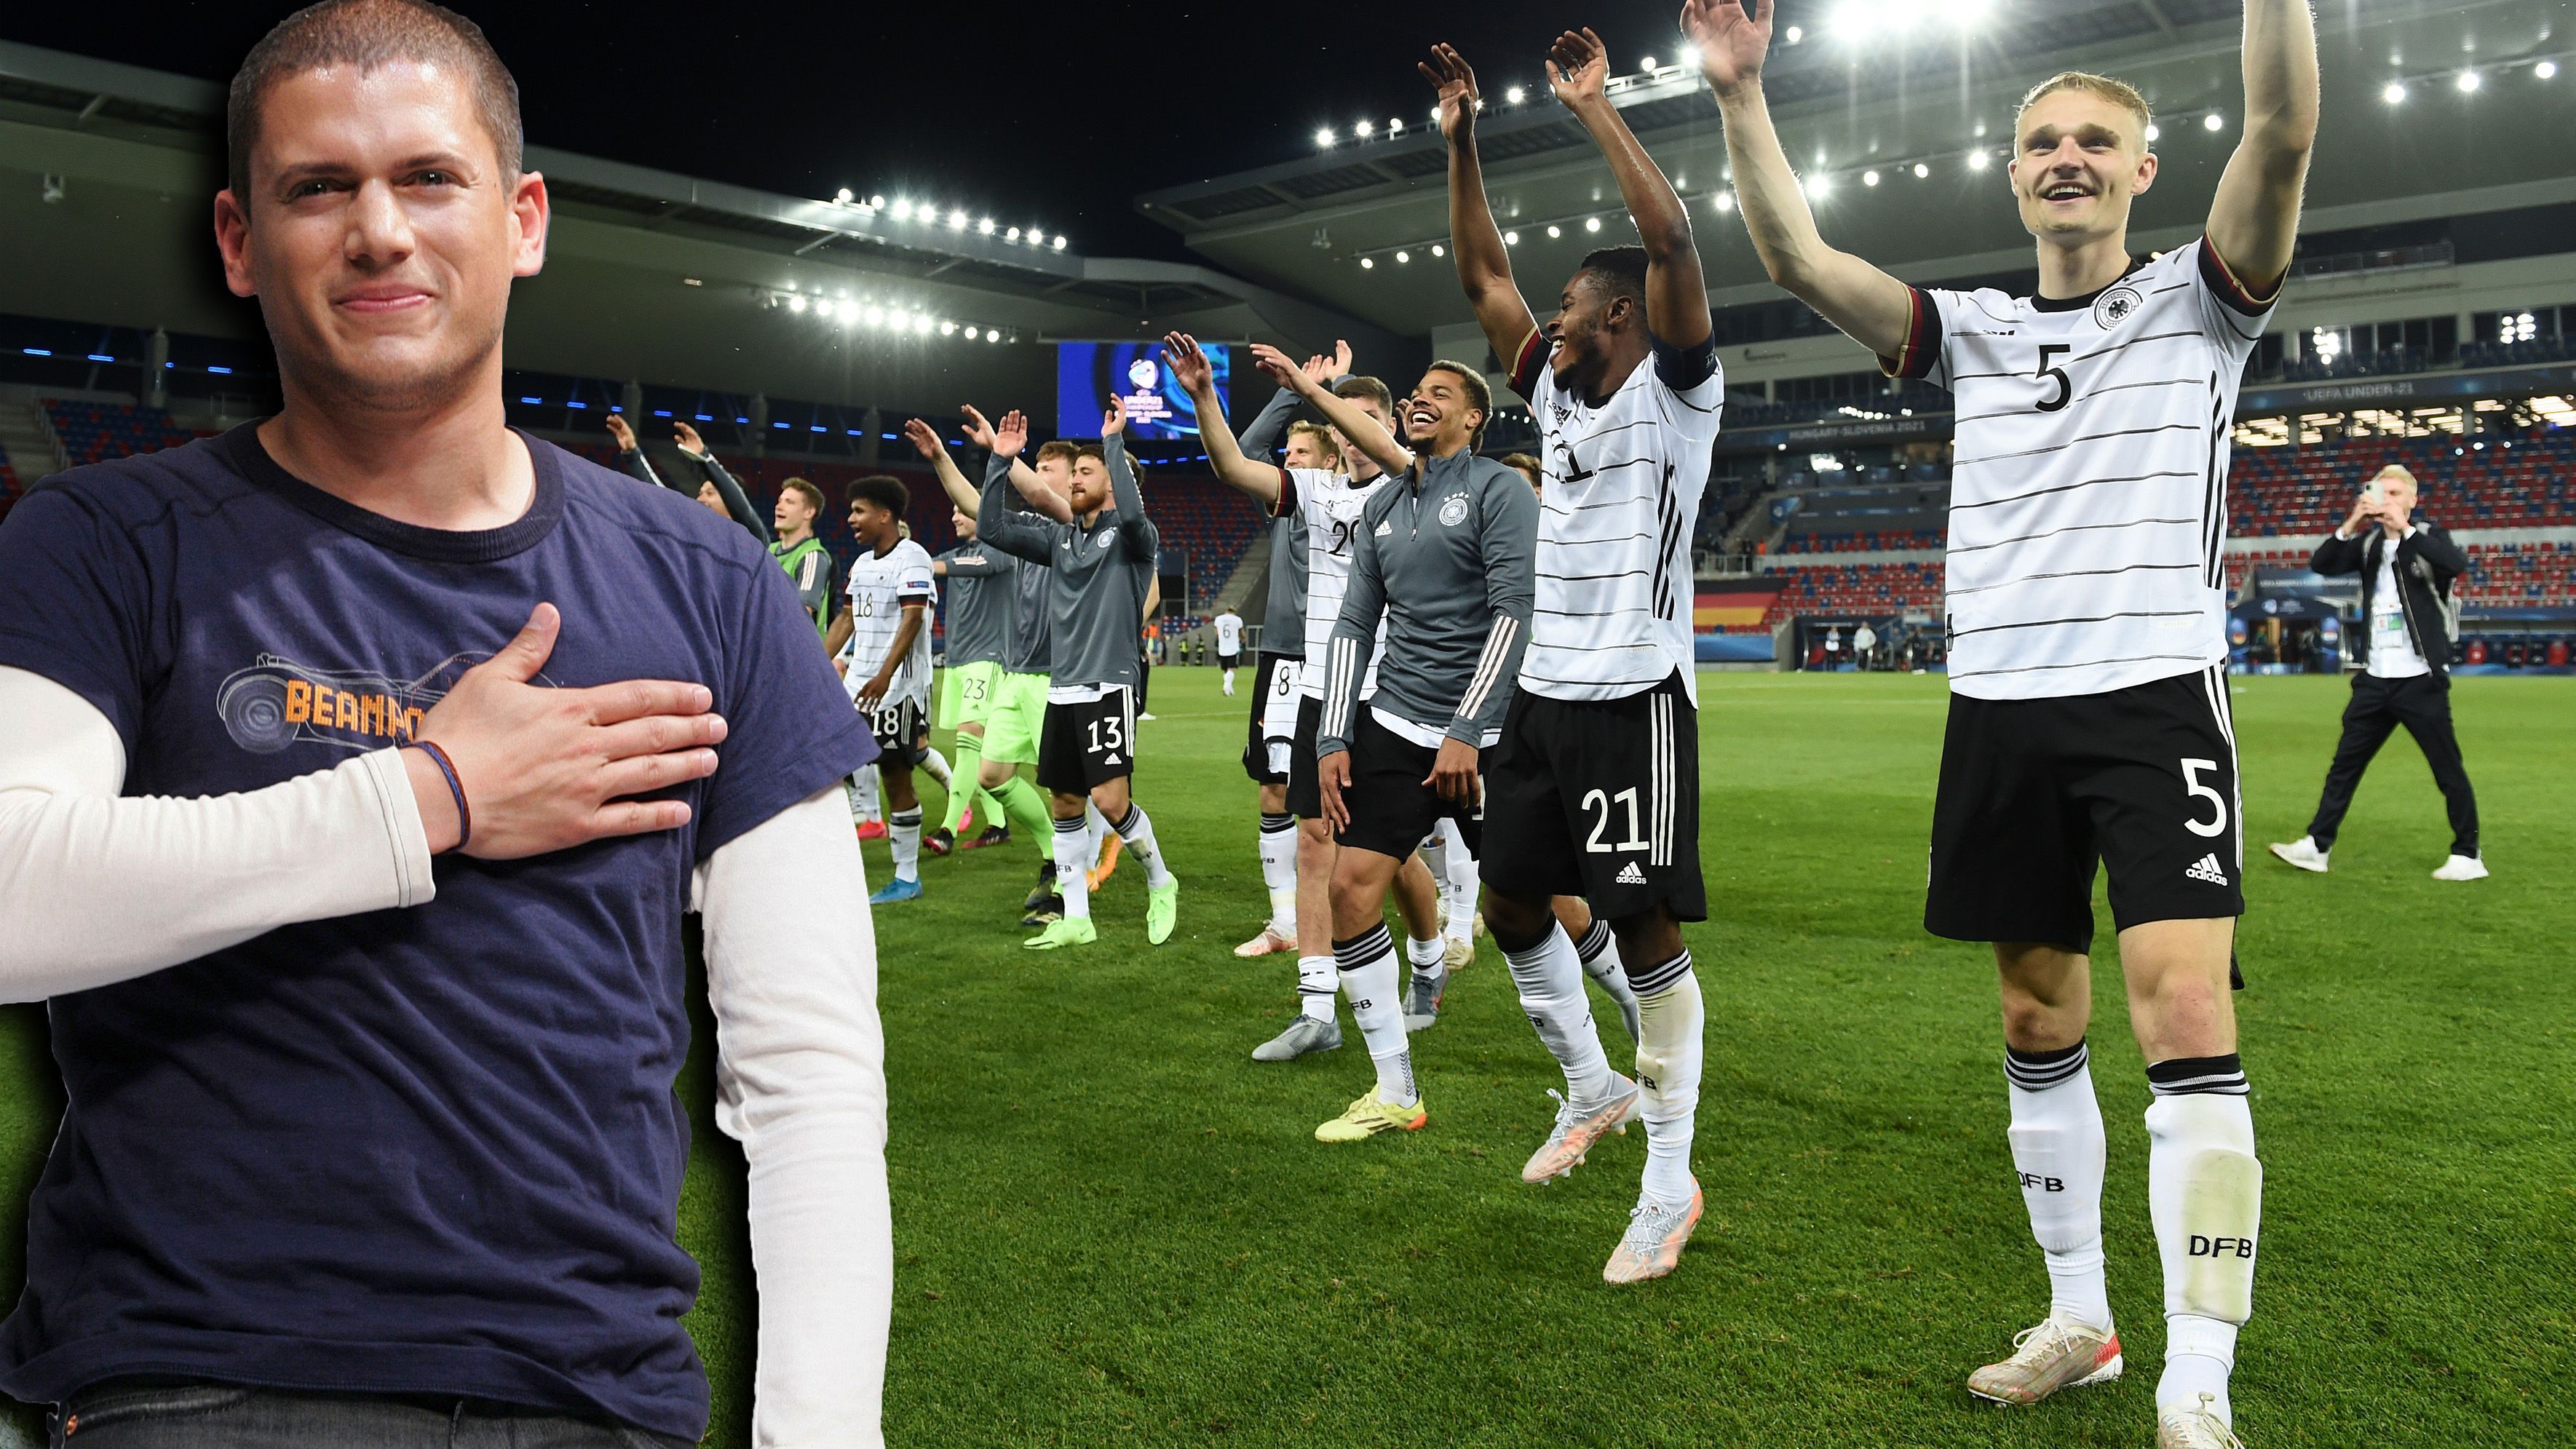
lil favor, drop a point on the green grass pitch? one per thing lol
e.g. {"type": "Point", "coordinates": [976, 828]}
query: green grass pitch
{"type": "Point", "coordinates": [1113, 1227]}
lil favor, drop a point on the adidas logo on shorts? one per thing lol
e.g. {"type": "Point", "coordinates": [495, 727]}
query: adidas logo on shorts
{"type": "Point", "coordinates": [1629, 874]}
{"type": "Point", "coordinates": [2208, 869]}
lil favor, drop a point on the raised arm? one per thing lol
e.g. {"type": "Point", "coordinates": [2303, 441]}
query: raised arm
{"type": "Point", "coordinates": [999, 524]}
{"type": "Point", "coordinates": [630, 455]}
{"type": "Point", "coordinates": [1258, 477]}
{"type": "Point", "coordinates": [1871, 307]}
{"type": "Point", "coordinates": [1364, 431]}
{"type": "Point", "coordinates": [736, 501]}
{"type": "Point", "coordinates": [1125, 497]}
{"type": "Point", "coordinates": [925, 441]}
{"type": "Point", "coordinates": [2254, 219]}
{"type": "Point", "coordinates": [1484, 267]}
{"type": "Point", "coordinates": [1578, 69]}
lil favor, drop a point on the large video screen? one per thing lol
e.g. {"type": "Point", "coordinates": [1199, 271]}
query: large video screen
{"type": "Point", "coordinates": [1089, 374]}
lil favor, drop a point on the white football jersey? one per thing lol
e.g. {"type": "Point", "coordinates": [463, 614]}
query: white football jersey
{"type": "Point", "coordinates": [1229, 633]}
{"type": "Point", "coordinates": [880, 585]}
{"type": "Point", "coordinates": [1331, 503]}
{"type": "Point", "coordinates": [2088, 491]}
{"type": "Point", "coordinates": [1622, 483]}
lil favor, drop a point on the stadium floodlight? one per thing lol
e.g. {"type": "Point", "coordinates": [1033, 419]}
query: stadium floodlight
{"type": "Point", "coordinates": [1403, 256]}
{"type": "Point", "coordinates": [1515, 96]}
{"type": "Point", "coordinates": [1395, 125]}
{"type": "Point", "coordinates": [1363, 129]}
{"type": "Point", "coordinates": [1059, 243]}
{"type": "Point", "coordinates": [1967, 14]}
{"type": "Point", "coordinates": [992, 334]}
{"type": "Point", "coordinates": [1921, 170]}
{"type": "Point", "coordinates": [1818, 186]}
{"type": "Point", "coordinates": [2468, 81]}
{"type": "Point", "coordinates": [984, 227]}
{"type": "Point", "coordinates": [1977, 160]}
{"type": "Point", "coordinates": [921, 323]}
{"type": "Point", "coordinates": [1438, 250]}
{"type": "Point", "coordinates": [2545, 69]}
{"type": "Point", "coordinates": [1796, 34]}
{"type": "Point", "coordinates": [842, 196]}
{"type": "Point", "coordinates": [1012, 235]}
{"type": "Point", "coordinates": [1689, 57]}
{"type": "Point", "coordinates": [903, 208]}
{"type": "Point", "coordinates": [1592, 223]}
{"type": "Point", "coordinates": [1869, 178]}
{"type": "Point", "coordinates": [1724, 201]}
{"type": "Point", "coordinates": [876, 203]}
{"type": "Point", "coordinates": [2393, 93]}
{"type": "Point", "coordinates": [2213, 122]}
{"type": "Point", "coordinates": [1553, 232]}
{"type": "Point", "coordinates": [876, 316]}
{"type": "Point", "coordinates": [1511, 238]}
{"type": "Point", "coordinates": [947, 328]}
{"type": "Point", "coordinates": [1435, 115]}
{"type": "Point", "coordinates": [796, 304]}
{"type": "Point", "coordinates": [957, 221]}
{"type": "Point", "coordinates": [1324, 138]}
{"type": "Point", "coordinates": [1368, 264]}
{"type": "Point", "coordinates": [2154, 132]}
{"type": "Point", "coordinates": [1647, 64]}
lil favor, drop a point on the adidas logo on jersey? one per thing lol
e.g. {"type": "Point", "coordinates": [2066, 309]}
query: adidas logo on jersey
{"type": "Point", "coordinates": [2208, 869]}
{"type": "Point", "coordinates": [1629, 874]}
{"type": "Point", "coordinates": [1385, 529]}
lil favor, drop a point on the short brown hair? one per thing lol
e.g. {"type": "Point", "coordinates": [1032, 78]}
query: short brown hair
{"type": "Point", "coordinates": [813, 495]}
{"type": "Point", "coordinates": [2118, 92]}
{"type": "Point", "coordinates": [368, 34]}
{"type": "Point", "coordinates": [1359, 385]}
{"type": "Point", "coordinates": [1058, 449]}
{"type": "Point", "coordinates": [1323, 438]}
{"type": "Point", "coordinates": [1480, 393]}
{"type": "Point", "coordinates": [1523, 464]}
{"type": "Point", "coordinates": [883, 490]}
{"type": "Point", "coordinates": [1092, 451]}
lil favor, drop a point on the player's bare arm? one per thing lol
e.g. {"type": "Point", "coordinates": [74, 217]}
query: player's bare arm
{"type": "Point", "coordinates": [1871, 307]}
{"type": "Point", "coordinates": [1484, 268]}
{"type": "Point", "coordinates": [1363, 430]}
{"type": "Point", "coordinates": [1191, 369]}
{"type": "Point", "coordinates": [925, 441]}
{"type": "Point", "coordinates": [872, 693]}
{"type": "Point", "coordinates": [837, 635]}
{"type": "Point", "coordinates": [2254, 219]}
{"type": "Point", "coordinates": [1010, 439]}
{"type": "Point", "coordinates": [1578, 70]}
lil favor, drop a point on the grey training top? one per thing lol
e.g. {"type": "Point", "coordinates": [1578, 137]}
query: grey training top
{"type": "Point", "coordinates": [1449, 556]}
{"type": "Point", "coordinates": [1100, 572]}
{"type": "Point", "coordinates": [1031, 648]}
{"type": "Point", "coordinates": [1283, 619]}
{"type": "Point", "coordinates": [980, 581]}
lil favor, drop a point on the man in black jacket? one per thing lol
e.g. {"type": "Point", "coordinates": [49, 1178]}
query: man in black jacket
{"type": "Point", "coordinates": [2404, 646]}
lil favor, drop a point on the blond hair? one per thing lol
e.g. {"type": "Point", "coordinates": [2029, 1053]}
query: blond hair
{"type": "Point", "coordinates": [2118, 92]}
{"type": "Point", "coordinates": [2394, 470]}
{"type": "Point", "coordinates": [1302, 428]}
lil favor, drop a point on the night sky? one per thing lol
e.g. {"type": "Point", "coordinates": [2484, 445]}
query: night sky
{"type": "Point", "coordinates": [1058, 114]}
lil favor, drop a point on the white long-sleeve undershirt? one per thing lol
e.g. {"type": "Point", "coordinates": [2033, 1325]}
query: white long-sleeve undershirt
{"type": "Point", "coordinates": [791, 966]}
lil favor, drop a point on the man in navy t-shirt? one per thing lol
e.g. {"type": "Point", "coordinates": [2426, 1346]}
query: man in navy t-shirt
{"type": "Point", "coordinates": [372, 754]}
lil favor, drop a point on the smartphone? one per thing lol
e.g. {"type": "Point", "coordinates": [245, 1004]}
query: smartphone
{"type": "Point", "coordinates": [2373, 494]}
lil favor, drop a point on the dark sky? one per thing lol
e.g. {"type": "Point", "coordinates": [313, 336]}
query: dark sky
{"type": "Point", "coordinates": [1059, 113]}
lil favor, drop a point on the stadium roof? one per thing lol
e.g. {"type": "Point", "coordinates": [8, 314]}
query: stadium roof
{"type": "Point", "coordinates": [1862, 103]}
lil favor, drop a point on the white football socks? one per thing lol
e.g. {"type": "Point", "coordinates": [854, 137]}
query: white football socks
{"type": "Point", "coordinates": [936, 764]}
{"type": "Point", "coordinates": [1550, 979]}
{"type": "Point", "coordinates": [1669, 1053]}
{"type": "Point", "coordinates": [1316, 984]}
{"type": "Point", "coordinates": [1429, 964]}
{"type": "Point", "coordinates": [1367, 963]}
{"type": "Point", "coordinates": [2205, 1193]}
{"type": "Point", "coordinates": [862, 790]}
{"type": "Point", "coordinates": [1279, 871]}
{"type": "Point", "coordinates": [903, 833]}
{"type": "Point", "coordinates": [1229, 684]}
{"type": "Point", "coordinates": [1138, 832]}
{"type": "Point", "coordinates": [2057, 1143]}
{"type": "Point", "coordinates": [1073, 858]}
{"type": "Point", "coordinates": [1599, 952]}
{"type": "Point", "coordinates": [1459, 884]}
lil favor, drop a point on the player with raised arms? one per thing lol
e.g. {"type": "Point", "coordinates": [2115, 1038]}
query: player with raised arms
{"type": "Point", "coordinates": [1596, 781]}
{"type": "Point", "coordinates": [2087, 624]}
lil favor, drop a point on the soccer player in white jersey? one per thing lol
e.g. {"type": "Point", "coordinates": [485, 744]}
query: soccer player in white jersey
{"type": "Point", "coordinates": [1229, 645]}
{"type": "Point", "coordinates": [2087, 627]}
{"type": "Point", "coordinates": [1328, 503]}
{"type": "Point", "coordinates": [1596, 781]}
{"type": "Point", "coordinates": [881, 644]}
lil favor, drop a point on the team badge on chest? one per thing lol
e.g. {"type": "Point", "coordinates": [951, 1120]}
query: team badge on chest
{"type": "Point", "coordinates": [1453, 510]}
{"type": "Point", "coordinates": [2116, 306]}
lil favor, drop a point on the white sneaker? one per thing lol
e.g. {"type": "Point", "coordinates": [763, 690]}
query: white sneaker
{"type": "Point", "coordinates": [2196, 1428]}
{"type": "Point", "coordinates": [2303, 853]}
{"type": "Point", "coordinates": [2463, 867]}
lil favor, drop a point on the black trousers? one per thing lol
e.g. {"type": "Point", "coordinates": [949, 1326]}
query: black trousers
{"type": "Point", "coordinates": [2378, 707]}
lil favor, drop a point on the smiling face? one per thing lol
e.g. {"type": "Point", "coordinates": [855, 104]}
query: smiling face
{"type": "Point", "coordinates": [711, 498]}
{"type": "Point", "coordinates": [1442, 416]}
{"type": "Point", "coordinates": [963, 523]}
{"type": "Point", "coordinates": [794, 512]}
{"type": "Point", "coordinates": [872, 525]}
{"type": "Point", "coordinates": [2078, 158]}
{"type": "Point", "coordinates": [381, 232]}
{"type": "Point", "coordinates": [1579, 334]}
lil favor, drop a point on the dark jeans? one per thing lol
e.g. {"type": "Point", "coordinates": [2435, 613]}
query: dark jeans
{"type": "Point", "coordinates": [217, 1416]}
{"type": "Point", "coordinates": [2378, 707]}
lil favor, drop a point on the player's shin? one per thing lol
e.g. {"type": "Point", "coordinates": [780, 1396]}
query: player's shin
{"type": "Point", "coordinates": [1138, 831]}
{"type": "Point", "coordinates": [1550, 979]}
{"type": "Point", "coordinates": [969, 766]}
{"type": "Point", "coordinates": [1279, 870]}
{"type": "Point", "coordinates": [1671, 1022]}
{"type": "Point", "coordinates": [2057, 1144]}
{"type": "Point", "coordinates": [1025, 808]}
{"type": "Point", "coordinates": [1316, 983]}
{"type": "Point", "coordinates": [1073, 855]}
{"type": "Point", "coordinates": [1599, 952]}
{"type": "Point", "coordinates": [2205, 1193]}
{"type": "Point", "coordinates": [1369, 980]}
{"type": "Point", "coordinates": [935, 765]}
{"type": "Point", "coordinates": [903, 834]}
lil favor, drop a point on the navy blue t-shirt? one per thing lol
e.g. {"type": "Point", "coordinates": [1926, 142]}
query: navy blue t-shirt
{"type": "Point", "coordinates": [431, 1150]}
